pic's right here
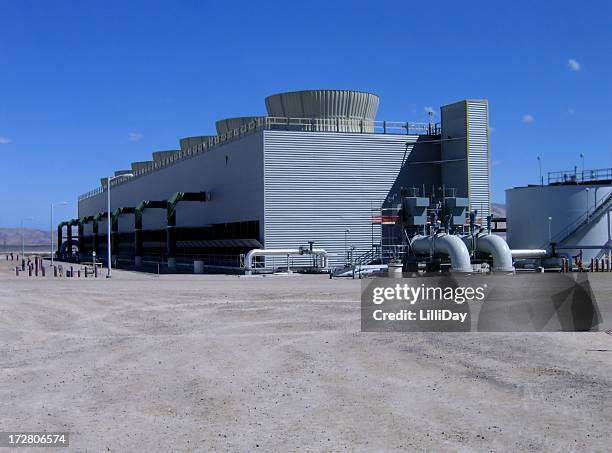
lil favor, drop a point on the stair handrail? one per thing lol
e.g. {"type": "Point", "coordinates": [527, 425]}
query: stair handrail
{"type": "Point", "coordinates": [579, 222]}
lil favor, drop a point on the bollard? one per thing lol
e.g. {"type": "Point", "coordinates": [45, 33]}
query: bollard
{"type": "Point", "coordinates": [592, 266]}
{"type": "Point", "coordinates": [79, 273]}
{"type": "Point", "coordinates": [95, 271]}
{"type": "Point", "coordinates": [16, 271]}
{"type": "Point", "coordinates": [71, 271]}
{"type": "Point", "coordinates": [23, 264]}
{"type": "Point", "coordinates": [86, 272]}
{"type": "Point", "coordinates": [29, 271]}
{"type": "Point", "coordinates": [55, 271]}
{"type": "Point", "coordinates": [42, 270]}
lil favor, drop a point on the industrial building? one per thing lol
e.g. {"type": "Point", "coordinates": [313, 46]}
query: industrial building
{"type": "Point", "coordinates": [319, 170]}
{"type": "Point", "coordinates": [569, 216]}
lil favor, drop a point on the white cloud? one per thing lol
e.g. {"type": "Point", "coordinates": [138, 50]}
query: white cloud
{"type": "Point", "coordinates": [4, 140]}
{"type": "Point", "coordinates": [573, 64]}
{"type": "Point", "coordinates": [135, 136]}
{"type": "Point", "coordinates": [528, 119]}
{"type": "Point", "coordinates": [429, 110]}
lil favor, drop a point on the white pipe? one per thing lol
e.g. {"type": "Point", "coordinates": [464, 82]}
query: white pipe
{"type": "Point", "coordinates": [444, 244]}
{"type": "Point", "coordinates": [528, 253]}
{"type": "Point", "coordinates": [494, 246]}
{"type": "Point", "coordinates": [248, 259]}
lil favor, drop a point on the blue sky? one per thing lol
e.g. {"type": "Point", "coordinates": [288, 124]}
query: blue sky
{"type": "Point", "coordinates": [86, 87]}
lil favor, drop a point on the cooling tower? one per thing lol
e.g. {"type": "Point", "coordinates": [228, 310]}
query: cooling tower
{"type": "Point", "coordinates": [142, 165]}
{"type": "Point", "coordinates": [159, 156]}
{"type": "Point", "coordinates": [331, 110]}
{"type": "Point", "coordinates": [189, 142]}
{"type": "Point", "coordinates": [227, 124]}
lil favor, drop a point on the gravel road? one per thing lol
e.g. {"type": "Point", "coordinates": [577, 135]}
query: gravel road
{"type": "Point", "coordinates": [278, 363]}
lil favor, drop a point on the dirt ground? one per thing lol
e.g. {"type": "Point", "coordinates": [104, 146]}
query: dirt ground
{"type": "Point", "coordinates": [141, 363]}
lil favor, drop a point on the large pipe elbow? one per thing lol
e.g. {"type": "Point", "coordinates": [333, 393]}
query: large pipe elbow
{"type": "Point", "coordinates": [496, 247]}
{"type": "Point", "coordinates": [447, 245]}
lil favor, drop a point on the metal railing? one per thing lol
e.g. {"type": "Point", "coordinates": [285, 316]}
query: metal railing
{"type": "Point", "coordinates": [580, 221]}
{"type": "Point", "coordinates": [574, 176]}
{"type": "Point", "coordinates": [350, 125]}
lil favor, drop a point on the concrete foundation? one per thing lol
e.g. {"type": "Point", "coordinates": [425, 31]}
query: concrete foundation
{"type": "Point", "coordinates": [395, 270]}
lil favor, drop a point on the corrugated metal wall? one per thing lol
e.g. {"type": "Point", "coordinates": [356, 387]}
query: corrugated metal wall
{"type": "Point", "coordinates": [319, 184]}
{"type": "Point", "coordinates": [466, 124]}
{"type": "Point", "coordinates": [232, 172]}
{"type": "Point", "coordinates": [478, 156]}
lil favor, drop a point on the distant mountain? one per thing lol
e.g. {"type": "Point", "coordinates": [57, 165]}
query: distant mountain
{"type": "Point", "coordinates": [31, 236]}
{"type": "Point", "coordinates": [499, 210]}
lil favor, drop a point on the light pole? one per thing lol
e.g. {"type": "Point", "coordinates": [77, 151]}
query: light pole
{"type": "Point", "coordinates": [540, 169]}
{"type": "Point", "coordinates": [108, 220]}
{"type": "Point", "coordinates": [346, 232]}
{"type": "Point", "coordinates": [582, 164]}
{"type": "Point", "coordinates": [549, 230]}
{"type": "Point", "coordinates": [61, 203]}
{"type": "Point", "coordinates": [22, 239]}
{"type": "Point", "coordinates": [587, 203]}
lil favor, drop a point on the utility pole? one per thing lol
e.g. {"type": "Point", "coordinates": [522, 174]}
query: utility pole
{"type": "Point", "coordinates": [540, 168]}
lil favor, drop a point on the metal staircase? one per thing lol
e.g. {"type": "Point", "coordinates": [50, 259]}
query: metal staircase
{"type": "Point", "coordinates": [589, 216]}
{"type": "Point", "coordinates": [374, 259]}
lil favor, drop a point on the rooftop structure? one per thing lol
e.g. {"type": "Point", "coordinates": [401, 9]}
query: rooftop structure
{"type": "Point", "coordinates": [318, 168]}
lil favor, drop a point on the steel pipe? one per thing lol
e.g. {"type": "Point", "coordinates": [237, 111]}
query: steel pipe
{"type": "Point", "coordinates": [446, 245]}
{"type": "Point", "coordinates": [248, 259]}
{"type": "Point", "coordinates": [492, 245]}
{"type": "Point", "coordinates": [528, 253]}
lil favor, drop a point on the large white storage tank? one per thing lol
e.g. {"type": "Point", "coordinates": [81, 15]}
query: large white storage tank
{"type": "Point", "coordinates": [578, 216]}
{"type": "Point", "coordinates": [331, 110]}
